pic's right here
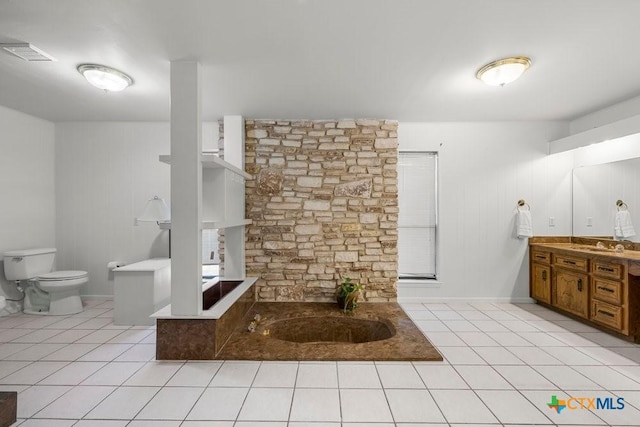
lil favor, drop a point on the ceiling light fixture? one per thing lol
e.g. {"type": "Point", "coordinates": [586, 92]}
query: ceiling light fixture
{"type": "Point", "coordinates": [503, 71]}
{"type": "Point", "coordinates": [105, 78]}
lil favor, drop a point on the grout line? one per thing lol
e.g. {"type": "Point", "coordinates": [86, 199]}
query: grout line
{"type": "Point", "coordinates": [293, 392]}
{"type": "Point", "coordinates": [244, 401]}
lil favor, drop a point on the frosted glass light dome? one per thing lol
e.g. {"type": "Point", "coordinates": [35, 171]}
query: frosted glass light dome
{"type": "Point", "coordinates": [503, 71]}
{"type": "Point", "coordinates": [105, 78]}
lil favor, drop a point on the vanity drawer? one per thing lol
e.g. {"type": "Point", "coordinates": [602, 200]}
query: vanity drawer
{"type": "Point", "coordinates": [607, 290]}
{"type": "Point", "coordinates": [607, 314]}
{"type": "Point", "coordinates": [574, 263]}
{"type": "Point", "coordinates": [607, 269]}
{"type": "Point", "coordinates": [541, 257]}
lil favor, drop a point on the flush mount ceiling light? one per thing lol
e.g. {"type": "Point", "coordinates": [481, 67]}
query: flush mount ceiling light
{"type": "Point", "coordinates": [503, 71]}
{"type": "Point", "coordinates": [105, 78]}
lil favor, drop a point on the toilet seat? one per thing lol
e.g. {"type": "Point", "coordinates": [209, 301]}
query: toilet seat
{"type": "Point", "coordinates": [62, 280]}
{"type": "Point", "coordinates": [62, 275]}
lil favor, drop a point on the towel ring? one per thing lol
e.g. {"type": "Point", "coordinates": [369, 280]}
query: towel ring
{"type": "Point", "coordinates": [621, 205]}
{"type": "Point", "coordinates": [522, 203]}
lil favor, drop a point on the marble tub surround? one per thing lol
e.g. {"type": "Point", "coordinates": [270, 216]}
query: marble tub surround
{"type": "Point", "coordinates": [8, 407]}
{"type": "Point", "coordinates": [408, 343]}
{"type": "Point", "coordinates": [323, 205]}
{"type": "Point", "coordinates": [200, 338]}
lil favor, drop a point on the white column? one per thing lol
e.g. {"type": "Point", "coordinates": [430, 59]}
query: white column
{"type": "Point", "coordinates": [186, 189]}
{"type": "Point", "coordinates": [234, 252]}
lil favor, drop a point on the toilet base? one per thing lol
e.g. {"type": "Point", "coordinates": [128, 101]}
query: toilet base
{"type": "Point", "coordinates": [32, 311]}
{"type": "Point", "coordinates": [52, 303]}
{"type": "Point", "coordinates": [65, 303]}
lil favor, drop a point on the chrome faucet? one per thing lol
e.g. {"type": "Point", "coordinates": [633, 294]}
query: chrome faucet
{"type": "Point", "coordinates": [254, 323]}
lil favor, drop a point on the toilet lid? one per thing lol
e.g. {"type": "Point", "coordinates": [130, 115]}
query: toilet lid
{"type": "Point", "coordinates": [62, 275]}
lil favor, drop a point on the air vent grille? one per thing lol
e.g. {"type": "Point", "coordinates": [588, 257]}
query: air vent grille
{"type": "Point", "coordinates": [27, 51]}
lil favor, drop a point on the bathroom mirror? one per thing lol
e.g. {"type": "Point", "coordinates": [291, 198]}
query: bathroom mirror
{"type": "Point", "coordinates": [596, 189]}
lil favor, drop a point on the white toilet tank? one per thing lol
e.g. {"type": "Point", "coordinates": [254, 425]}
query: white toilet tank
{"type": "Point", "coordinates": [28, 263]}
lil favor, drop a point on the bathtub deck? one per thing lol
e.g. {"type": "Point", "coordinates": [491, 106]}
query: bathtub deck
{"type": "Point", "coordinates": [408, 344]}
{"type": "Point", "coordinates": [202, 337]}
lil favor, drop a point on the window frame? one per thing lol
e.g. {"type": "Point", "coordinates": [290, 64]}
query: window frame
{"type": "Point", "coordinates": [436, 259]}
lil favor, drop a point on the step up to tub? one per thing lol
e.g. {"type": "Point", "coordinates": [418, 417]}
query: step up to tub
{"type": "Point", "coordinates": [8, 407]}
{"type": "Point", "coordinates": [225, 303]}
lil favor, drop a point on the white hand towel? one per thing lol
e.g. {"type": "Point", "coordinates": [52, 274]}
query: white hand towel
{"type": "Point", "coordinates": [524, 227]}
{"type": "Point", "coordinates": [623, 226]}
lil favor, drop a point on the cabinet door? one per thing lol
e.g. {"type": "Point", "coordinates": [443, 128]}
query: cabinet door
{"type": "Point", "coordinates": [570, 292]}
{"type": "Point", "coordinates": [541, 283]}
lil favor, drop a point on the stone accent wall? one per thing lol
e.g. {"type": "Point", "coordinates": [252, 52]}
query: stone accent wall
{"type": "Point", "coordinates": [324, 205]}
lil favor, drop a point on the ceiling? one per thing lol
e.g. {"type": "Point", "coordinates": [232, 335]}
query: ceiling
{"type": "Point", "coordinates": [410, 60]}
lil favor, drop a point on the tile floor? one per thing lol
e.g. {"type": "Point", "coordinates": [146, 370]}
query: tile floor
{"type": "Point", "coordinates": [503, 363]}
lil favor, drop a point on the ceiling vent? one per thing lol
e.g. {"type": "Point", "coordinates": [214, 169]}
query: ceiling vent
{"type": "Point", "coordinates": [27, 51]}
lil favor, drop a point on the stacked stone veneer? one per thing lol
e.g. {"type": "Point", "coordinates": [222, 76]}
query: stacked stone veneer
{"type": "Point", "coordinates": [324, 205]}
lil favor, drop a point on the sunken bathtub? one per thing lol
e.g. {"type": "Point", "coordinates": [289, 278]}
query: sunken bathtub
{"type": "Point", "coordinates": [322, 331]}
{"type": "Point", "coordinates": [329, 329]}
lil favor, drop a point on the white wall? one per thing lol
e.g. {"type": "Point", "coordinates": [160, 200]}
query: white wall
{"type": "Point", "coordinates": [484, 168]}
{"type": "Point", "coordinates": [105, 173]}
{"type": "Point", "coordinates": [27, 192]}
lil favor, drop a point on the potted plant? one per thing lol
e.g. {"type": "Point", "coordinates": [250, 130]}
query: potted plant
{"type": "Point", "coordinates": [348, 293]}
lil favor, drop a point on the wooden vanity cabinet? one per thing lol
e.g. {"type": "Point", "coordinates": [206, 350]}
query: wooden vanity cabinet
{"type": "Point", "coordinates": [541, 276]}
{"type": "Point", "coordinates": [570, 285]}
{"type": "Point", "coordinates": [602, 290]}
{"type": "Point", "coordinates": [609, 296]}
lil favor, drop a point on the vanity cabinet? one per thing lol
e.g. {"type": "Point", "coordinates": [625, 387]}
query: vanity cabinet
{"type": "Point", "coordinates": [570, 284]}
{"type": "Point", "coordinates": [541, 276]}
{"type": "Point", "coordinates": [570, 291]}
{"type": "Point", "coordinates": [609, 302]}
{"type": "Point", "coordinates": [598, 288]}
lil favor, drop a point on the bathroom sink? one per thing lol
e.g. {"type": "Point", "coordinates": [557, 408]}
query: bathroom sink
{"type": "Point", "coordinates": [594, 249]}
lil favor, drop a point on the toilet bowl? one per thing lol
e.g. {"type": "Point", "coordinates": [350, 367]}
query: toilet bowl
{"type": "Point", "coordinates": [46, 292]}
{"type": "Point", "coordinates": [63, 288]}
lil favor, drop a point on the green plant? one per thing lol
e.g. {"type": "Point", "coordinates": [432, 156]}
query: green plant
{"type": "Point", "coordinates": [348, 293]}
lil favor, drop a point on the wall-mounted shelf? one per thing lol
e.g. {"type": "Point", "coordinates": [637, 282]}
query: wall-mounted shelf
{"type": "Point", "coordinates": [208, 225]}
{"type": "Point", "coordinates": [223, 193]}
{"type": "Point", "coordinates": [225, 224]}
{"type": "Point", "coordinates": [211, 161]}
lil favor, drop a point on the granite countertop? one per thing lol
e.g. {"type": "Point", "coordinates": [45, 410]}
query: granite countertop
{"type": "Point", "coordinates": [627, 254]}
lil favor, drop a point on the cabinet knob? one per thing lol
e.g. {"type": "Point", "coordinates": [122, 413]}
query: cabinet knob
{"type": "Point", "coordinates": [544, 275]}
{"type": "Point", "coordinates": [579, 285]}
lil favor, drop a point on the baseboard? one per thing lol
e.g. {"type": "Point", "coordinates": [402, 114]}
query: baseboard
{"type": "Point", "coordinates": [96, 297]}
{"type": "Point", "coordinates": [503, 300]}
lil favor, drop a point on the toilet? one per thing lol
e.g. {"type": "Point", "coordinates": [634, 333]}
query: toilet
{"type": "Point", "coordinates": [46, 292]}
